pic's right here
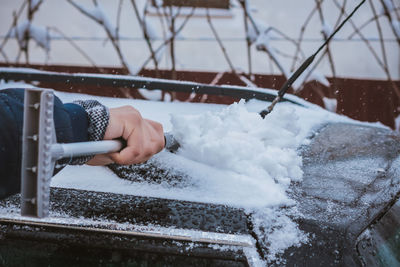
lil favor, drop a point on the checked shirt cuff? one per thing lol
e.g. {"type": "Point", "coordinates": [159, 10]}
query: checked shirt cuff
{"type": "Point", "coordinates": [98, 117]}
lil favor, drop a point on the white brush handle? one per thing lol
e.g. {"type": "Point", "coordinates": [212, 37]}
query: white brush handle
{"type": "Point", "coordinates": [71, 150]}
{"type": "Point", "coordinates": [59, 151]}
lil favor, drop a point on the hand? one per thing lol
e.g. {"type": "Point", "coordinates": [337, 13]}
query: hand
{"type": "Point", "coordinates": [144, 138]}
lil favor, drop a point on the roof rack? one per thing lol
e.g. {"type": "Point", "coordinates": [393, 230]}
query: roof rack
{"type": "Point", "coordinates": [134, 82]}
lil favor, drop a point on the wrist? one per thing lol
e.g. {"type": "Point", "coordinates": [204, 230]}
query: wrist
{"type": "Point", "coordinates": [98, 119]}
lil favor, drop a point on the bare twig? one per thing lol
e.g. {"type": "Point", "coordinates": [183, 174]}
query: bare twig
{"type": "Point", "coordinates": [378, 26]}
{"type": "Point", "coordinates": [35, 7]}
{"type": "Point", "coordinates": [167, 41]}
{"type": "Point", "coordinates": [325, 35]}
{"type": "Point", "coordinates": [13, 25]}
{"type": "Point", "coordinates": [173, 16]}
{"type": "Point", "coordinates": [338, 21]}
{"type": "Point", "coordinates": [271, 55]}
{"type": "Point", "coordinates": [248, 41]}
{"type": "Point", "coordinates": [18, 56]}
{"type": "Point", "coordinates": [146, 36]}
{"type": "Point", "coordinates": [396, 10]}
{"type": "Point", "coordinates": [24, 46]}
{"type": "Point", "coordinates": [264, 48]}
{"type": "Point", "coordinates": [162, 22]}
{"type": "Point", "coordinates": [300, 39]}
{"type": "Point", "coordinates": [362, 37]}
{"type": "Point", "coordinates": [110, 35]}
{"type": "Point", "coordinates": [366, 23]}
{"type": "Point", "coordinates": [373, 52]}
{"type": "Point", "coordinates": [221, 45]}
{"type": "Point", "coordinates": [389, 76]}
{"type": "Point", "coordinates": [341, 14]}
{"type": "Point", "coordinates": [80, 50]}
{"type": "Point", "coordinates": [389, 17]}
{"type": "Point", "coordinates": [4, 56]}
{"type": "Point", "coordinates": [117, 27]}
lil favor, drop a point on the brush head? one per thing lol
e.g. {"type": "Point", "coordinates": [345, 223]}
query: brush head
{"type": "Point", "coordinates": [37, 162]}
{"type": "Point", "coordinates": [171, 144]}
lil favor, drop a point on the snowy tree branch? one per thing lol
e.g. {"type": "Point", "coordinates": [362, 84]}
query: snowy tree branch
{"type": "Point", "coordinates": [98, 16]}
{"type": "Point", "coordinates": [16, 15]}
{"type": "Point", "coordinates": [392, 22]}
{"type": "Point", "coordinates": [325, 34]}
{"type": "Point", "coordinates": [167, 41]}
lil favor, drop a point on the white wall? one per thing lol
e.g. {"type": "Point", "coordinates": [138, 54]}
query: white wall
{"type": "Point", "coordinates": [352, 59]}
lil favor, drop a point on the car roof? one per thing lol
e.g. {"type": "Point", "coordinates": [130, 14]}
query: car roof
{"type": "Point", "coordinates": [351, 176]}
{"type": "Point", "coordinates": [336, 206]}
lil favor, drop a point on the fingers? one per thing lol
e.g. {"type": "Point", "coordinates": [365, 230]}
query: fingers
{"type": "Point", "coordinates": [159, 135]}
{"type": "Point", "coordinates": [144, 137]}
{"type": "Point", "coordinates": [100, 160]}
{"type": "Point", "coordinates": [145, 140]}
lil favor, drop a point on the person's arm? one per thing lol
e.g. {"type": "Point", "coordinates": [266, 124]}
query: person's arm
{"type": "Point", "coordinates": [75, 122]}
{"type": "Point", "coordinates": [71, 124]}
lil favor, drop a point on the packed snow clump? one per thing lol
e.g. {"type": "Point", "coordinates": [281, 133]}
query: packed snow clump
{"type": "Point", "coordinates": [396, 27]}
{"type": "Point", "coordinates": [277, 232]}
{"type": "Point", "coordinates": [99, 14]}
{"type": "Point", "coordinates": [39, 34]}
{"type": "Point", "coordinates": [327, 28]}
{"type": "Point", "coordinates": [260, 151]}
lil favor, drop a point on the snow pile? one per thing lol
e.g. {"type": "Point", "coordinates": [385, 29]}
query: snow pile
{"type": "Point", "coordinates": [397, 123]}
{"type": "Point", "coordinates": [262, 152]}
{"type": "Point", "coordinates": [277, 232]}
{"type": "Point", "coordinates": [330, 103]}
{"type": "Point", "coordinates": [229, 156]}
{"type": "Point", "coordinates": [259, 160]}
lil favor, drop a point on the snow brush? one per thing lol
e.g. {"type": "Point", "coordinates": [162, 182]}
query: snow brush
{"type": "Point", "coordinates": [304, 66]}
{"type": "Point", "coordinates": [40, 151]}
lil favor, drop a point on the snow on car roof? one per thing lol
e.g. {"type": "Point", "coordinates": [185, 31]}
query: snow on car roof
{"type": "Point", "coordinates": [216, 143]}
{"type": "Point", "coordinates": [229, 156]}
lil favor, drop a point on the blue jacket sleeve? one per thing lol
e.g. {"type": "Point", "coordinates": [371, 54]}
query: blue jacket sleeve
{"type": "Point", "coordinates": [71, 124]}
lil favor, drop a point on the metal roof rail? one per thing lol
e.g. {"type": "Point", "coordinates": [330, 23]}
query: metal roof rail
{"type": "Point", "coordinates": [127, 81]}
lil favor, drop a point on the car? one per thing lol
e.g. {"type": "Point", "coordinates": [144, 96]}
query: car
{"type": "Point", "coordinates": [347, 205]}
